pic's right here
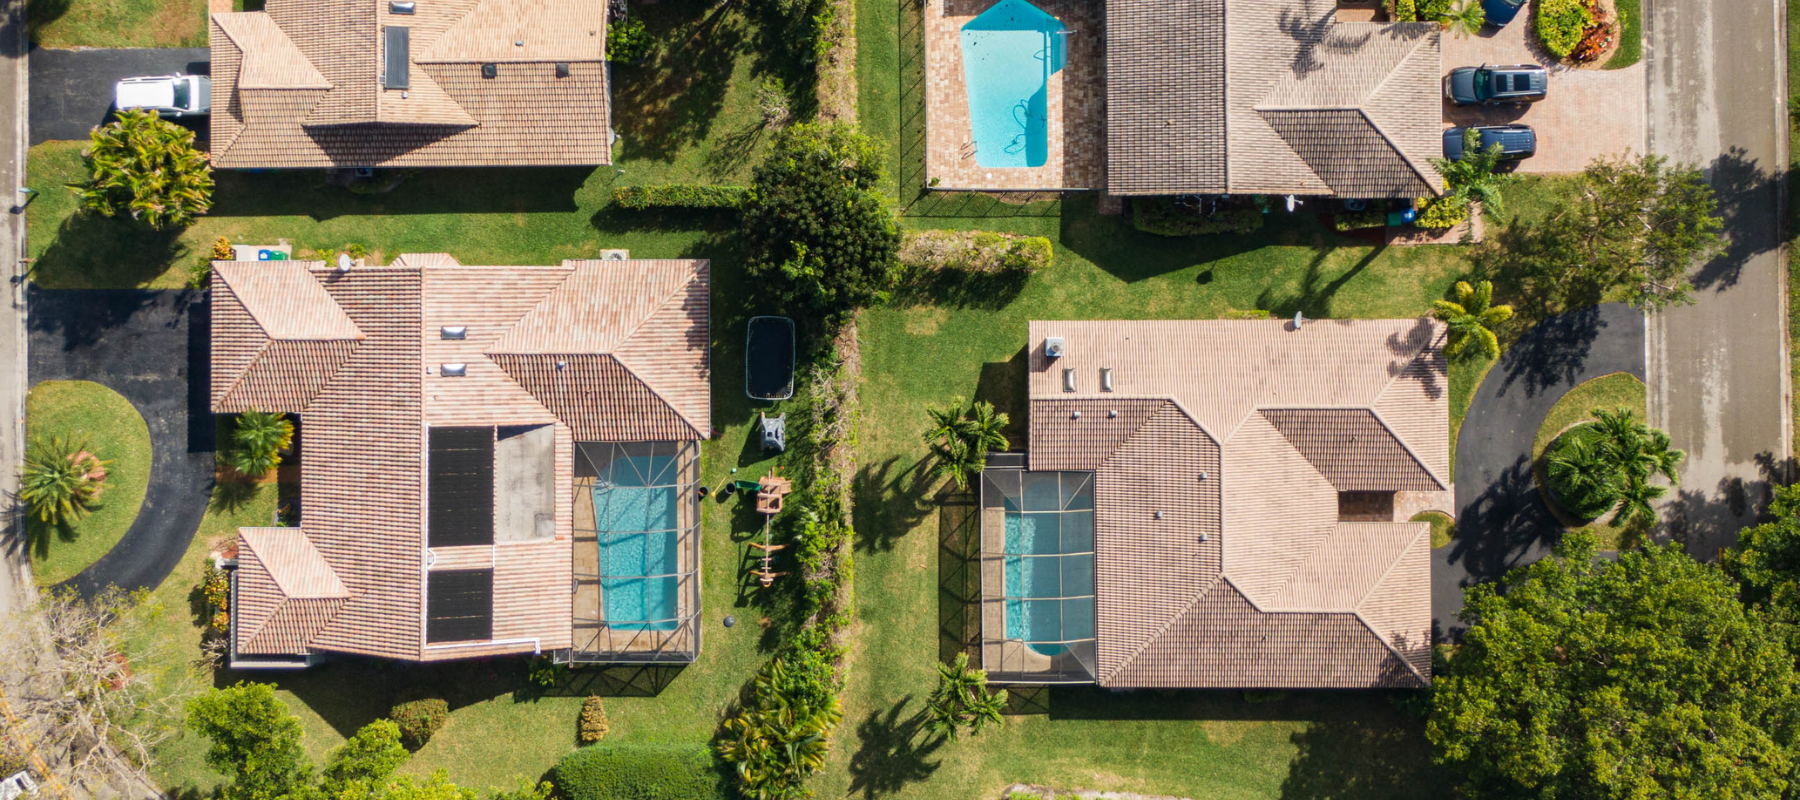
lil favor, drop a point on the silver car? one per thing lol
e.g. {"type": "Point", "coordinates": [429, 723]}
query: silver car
{"type": "Point", "coordinates": [167, 95]}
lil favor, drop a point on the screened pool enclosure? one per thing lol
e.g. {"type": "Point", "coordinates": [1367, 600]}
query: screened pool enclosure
{"type": "Point", "coordinates": [637, 552]}
{"type": "Point", "coordinates": [1037, 576]}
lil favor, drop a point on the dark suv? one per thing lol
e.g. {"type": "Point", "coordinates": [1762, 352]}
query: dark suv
{"type": "Point", "coordinates": [1495, 86]}
{"type": "Point", "coordinates": [1516, 141]}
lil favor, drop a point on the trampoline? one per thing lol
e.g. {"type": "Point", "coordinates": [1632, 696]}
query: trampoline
{"type": "Point", "coordinates": [769, 359]}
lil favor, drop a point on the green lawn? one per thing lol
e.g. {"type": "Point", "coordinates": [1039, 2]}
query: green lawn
{"type": "Point", "coordinates": [116, 23]}
{"type": "Point", "coordinates": [1443, 528]}
{"type": "Point", "coordinates": [1631, 35]}
{"type": "Point", "coordinates": [113, 430]}
{"type": "Point", "coordinates": [1605, 392]}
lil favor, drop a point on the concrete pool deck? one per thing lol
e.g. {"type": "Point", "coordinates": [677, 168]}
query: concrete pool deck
{"type": "Point", "coordinates": [1077, 103]}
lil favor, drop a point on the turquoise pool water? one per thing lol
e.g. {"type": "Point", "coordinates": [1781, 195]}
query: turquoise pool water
{"type": "Point", "coordinates": [1009, 53]}
{"type": "Point", "coordinates": [634, 509]}
{"type": "Point", "coordinates": [1049, 567]}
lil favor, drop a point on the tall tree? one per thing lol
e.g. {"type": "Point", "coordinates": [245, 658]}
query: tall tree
{"type": "Point", "coordinates": [364, 761]}
{"type": "Point", "coordinates": [57, 482]}
{"type": "Point", "coordinates": [1580, 677]}
{"type": "Point", "coordinates": [1766, 563]}
{"type": "Point", "coordinates": [145, 168]}
{"type": "Point", "coordinates": [1472, 318]}
{"type": "Point", "coordinates": [960, 438]}
{"type": "Point", "coordinates": [255, 742]}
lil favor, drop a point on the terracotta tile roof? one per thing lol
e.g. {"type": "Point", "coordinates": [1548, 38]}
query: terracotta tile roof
{"type": "Point", "coordinates": [300, 85]}
{"type": "Point", "coordinates": [286, 593]}
{"type": "Point", "coordinates": [598, 398]}
{"type": "Point", "coordinates": [1269, 96]}
{"type": "Point", "coordinates": [364, 475]}
{"type": "Point", "coordinates": [278, 336]}
{"type": "Point", "coordinates": [286, 300]}
{"type": "Point", "coordinates": [1248, 578]}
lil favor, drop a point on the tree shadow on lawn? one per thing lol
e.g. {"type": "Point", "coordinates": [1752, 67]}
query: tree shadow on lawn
{"type": "Point", "coordinates": [1382, 755]}
{"type": "Point", "coordinates": [91, 251]}
{"type": "Point", "coordinates": [1315, 295]}
{"type": "Point", "coordinates": [895, 750]}
{"type": "Point", "coordinates": [892, 498]}
{"type": "Point", "coordinates": [669, 102]}
{"type": "Point", "coordinates": [432, 191]}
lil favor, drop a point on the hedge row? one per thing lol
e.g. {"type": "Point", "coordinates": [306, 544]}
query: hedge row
{"type": "Point", "coordinates": [1162, 217]}
{"type": "Point", "coordinates": [639, 772]}
{"type": "Point", "coordinates": [975, 251]}
{"type": "Point", "coordinates": [678, 196]}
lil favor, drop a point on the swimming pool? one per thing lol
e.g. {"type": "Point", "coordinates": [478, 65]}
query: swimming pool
{"type": "Point", "coordinates": [1009, 53]}
{"type": "Point", "coordinates": [1049, 561]}
{"type": "Point", "coordinates": [635, 501]}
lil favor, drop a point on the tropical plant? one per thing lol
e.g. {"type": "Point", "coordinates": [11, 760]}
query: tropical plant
{"type": "Point", "coordinates": [1477, 176]}
{"type": "Point", "coordinates": [962, 700]}
{"type": "Point", "coordinates": [145, 168]}
{"type": "Point", "coordinates": [257, 441]}
{"type": "Point", "coordinates": [784, 734]}
{"type": "Point", "coordinates": [961, 436]}
{"type": "Point", "coordinates": [1581, 481]}
{"type": "Point", "coordinates": [1472, 318]}
{"type": "Point", "coordinates": [221, 249]}
{"type": "Point", "coordinates": [1608, 464]}
{"type": "Point", "coordinates": [1582, 677]}
{"type": "Point", "coordinates": [1464, 18]}
{"type": "Point", "coordinates": [627, 41]}
{"type": "Point", "coordinates": [60, 481]}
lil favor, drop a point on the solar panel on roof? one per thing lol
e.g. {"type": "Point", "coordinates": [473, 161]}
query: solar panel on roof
{"type": "Point", "coordinates": [459, 605]}
{"type": "Point", "coordinates": [462, 487]}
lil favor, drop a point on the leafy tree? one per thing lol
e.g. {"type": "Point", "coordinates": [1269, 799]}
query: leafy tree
{"type": "Point", "coordinates": [784, 734]}
{"type": "Point", "coordinates": [1464, 18]}
{"type": "Point", "coordinates": [962, 700]}
{"type": "Point", "coordinates": [1477, 177]}
{"type": "Point", "coordinates": [818, 235]}
{"type": "Point", "coordinates": [57, 482]}
{"type": "Point", "coordinates": [1608, 464]}
{"type": "Point", "coordinates": [147, 169]}
{"type": "Point", "coordinates": [1627, 228]}
{"type": "Point", "coordinates": [255, 742]}
{"type": "Point", "coordinates": [1645, 677]}
{"type": "Point", "coordinates": [961, 436]}
{"type": "Point", "coordinates": [366, 760]}
{"type": "Point", "coordinates": [1472, 318]}
{"type": "Point", "coordinates": [257, 441]}
{"type": "Point", "coordinates": [1766, 563]}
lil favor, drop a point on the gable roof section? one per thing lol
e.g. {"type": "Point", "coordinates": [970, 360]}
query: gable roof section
{"type": "Point", "coordinates": [286, 593]}
{"type": "Point", "coordinates": [598, 398]}
{"type": "Point", "coordinates": [270, 59]}
{"type": "Point", "coordinates": [278, 336]}
{"type": "Point", "coordinates": [1352, 449]}
{"type": "Point", "coordinates": [1165, 95]}
{"type": "Point", "coordinates": [498, 31]}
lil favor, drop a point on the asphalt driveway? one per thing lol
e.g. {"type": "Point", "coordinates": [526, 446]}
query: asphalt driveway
{"type": "Point", "coordinates": [71, 90]}
{"type": "Point", "coordinates": [1501, 520]}
{"type": "Point", "coordinates": [1587, 113]}
{"type": "Point", "coordinates": [144, 345]}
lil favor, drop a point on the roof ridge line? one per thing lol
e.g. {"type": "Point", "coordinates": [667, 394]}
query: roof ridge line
{"type": "Point", "coordinates": [1390, 567]}
{"type": "Point", "coordinates": [268, 342]}
{"type": "Point", "coordinates": [1170, 623]}
{"type": "Point", "coordinates": [1441, 335]}
{"type": "Point", "coordinates": [660, 305]}
{"type": "Point", "coordinates": [1390, 648]}
{"type": "Point", "coordinates": [1385, 79]}
{"type": "Point", "coordinates": [1398, 150]}
{"type": "Point", "coordinates": [1443, 485]}
{"type": "Point", "coordinates": [654, 391]}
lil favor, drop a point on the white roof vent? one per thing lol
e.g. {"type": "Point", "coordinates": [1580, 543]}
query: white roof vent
{"type": "Point", "coordinates": [454, 332]}
{"type": "Point", "coordinates": [1068, 379]}
{"type": "Point", "coordinates": [1053, 347]}
{"type": "Point", "coordinates": [455, 370]}
{"type": "Point", "coordinates": [1106, 379]}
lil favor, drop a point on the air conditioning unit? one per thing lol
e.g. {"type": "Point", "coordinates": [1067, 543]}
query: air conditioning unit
{"type": "Point", "coordinates": [1053, 347]}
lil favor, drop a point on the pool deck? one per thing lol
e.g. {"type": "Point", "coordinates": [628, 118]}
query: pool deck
{"type": "Point", "coordinates": [1076, 95]}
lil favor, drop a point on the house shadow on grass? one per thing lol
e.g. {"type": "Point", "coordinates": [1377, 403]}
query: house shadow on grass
{"type": "Point", "coordinates": [432, 191]}
{"type": "Point", "coordinates": [1131, 255]}
{"type": "Point", "coordinates": [350, 692]}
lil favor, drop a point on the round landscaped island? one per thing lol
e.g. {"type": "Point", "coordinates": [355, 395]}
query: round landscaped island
{"type": "Point", "coordinates": [100, 422]}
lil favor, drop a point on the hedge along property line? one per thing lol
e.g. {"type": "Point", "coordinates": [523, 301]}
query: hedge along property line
{"type": "Point", "coordinates": [975, 251]}
{"type": "Point", "coordinates": [678, 195]}
{"type": "Point", "coordinates": [639, 772]}
{"type": "Point", "coordinates": [836, 86]}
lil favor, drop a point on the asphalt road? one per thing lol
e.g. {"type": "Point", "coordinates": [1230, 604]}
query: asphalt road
{"type": "Point", "coordinates": [71, 90]}
{"type": "Point", "coordinates": [1501, 519]}
{"type": "Point", "coordinates": [144, 345]}
{"type": "Point", "coordinates": [1718, 368]}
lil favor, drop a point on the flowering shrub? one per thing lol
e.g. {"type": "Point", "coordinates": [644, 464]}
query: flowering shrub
{"type": "Point", "coordinates": [1560, 25]}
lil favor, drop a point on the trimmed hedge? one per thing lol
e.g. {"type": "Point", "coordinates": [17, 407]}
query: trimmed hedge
{"type": "Point", "coordinates": [975, 251]}
{"type": "Point", "coordinates": [1441, 213]}
{"type": "Point", "coordinates": [639, 772]}
{"type": "Point", "coordinates": [1358, 220]}
{"type": "Point", "coordinates": [678, 196]}
{"type": "Point", "coordinates": [1163, 218]}
{"type": "Point", "coordinates": [1560, 24]}
{"type": "Point", "coordinates": [419, 719]}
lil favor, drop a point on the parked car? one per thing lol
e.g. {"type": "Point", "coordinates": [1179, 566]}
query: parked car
{"type": "Point", "coordinates": [1500, 12]}
{"type": "Point", "coordinates": [1516, 141]}
{"type": "Point", "coordinates": [1493, 86]}
{"type": "Point", "coordinates": [167, 95]}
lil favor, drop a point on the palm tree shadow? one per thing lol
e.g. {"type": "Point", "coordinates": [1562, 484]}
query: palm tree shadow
{"type": "Point", "coordinates": [895, 751]}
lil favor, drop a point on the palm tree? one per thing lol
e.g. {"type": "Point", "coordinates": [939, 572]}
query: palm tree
{"type": "Point", "coordinates": [57, 482]}
{"type": "Point", "coordinates": [257, 442]}
{"type": "Point", "coordinates": [1477, 177]}
{"type": "Point", "coordinates": [145, 168]}
{"type": "Point", "coordinates": [1634, 452]}
{"type": "Point", "coordinates": [1583, 482]}
{"type": "Point", "coordinates": [1465, 18]}
{"type": "Point", "coordinates": [960, 438]}
{"type": "Point", "coordinates": [784, 736]}
{"type": "Point", "coordinates": [1472, 319]}
{"type": "Point", "coordinates": [962, 700]}
{"type": "Point", "coordinates": [1635, 497]}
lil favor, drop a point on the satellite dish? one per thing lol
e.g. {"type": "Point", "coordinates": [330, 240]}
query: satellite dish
{"type": "Point", "coordinates": [344, 262]}
{"type": "Point", "coordinates": [1298, 318]}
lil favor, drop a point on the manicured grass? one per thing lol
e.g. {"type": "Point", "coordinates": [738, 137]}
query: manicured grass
{"type": "Point", "coordinates": [117, 23]}
{"type": "Point", "coordinates": [1443, 528]}
{"type": "Point", "coordinates": [1631, 35]}
{"type": "Point", "coordinates": [113, 430]}
{"type": "Point", "coordinates": [1604, 392]}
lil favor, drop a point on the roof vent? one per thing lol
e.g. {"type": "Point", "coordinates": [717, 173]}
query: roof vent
{"type": "Point", "coordinates": [455, 370]}
{"type": "Point", "coordinates": [518, 43]}
{"type": "Point", "coordinates": [1075, 415]}
{"type": "Point", "coordinates": [1202, 476]}
{"type": "Point", "coordinates": [561, 365]}
{"type": "Point", "coordinates": [1068, 379]}
{"type": "Point", "coordinates": [489, 71]}
{"type": "Point", "coordinates": [1112, 413]}
{"type": "Point", "coordinates": [398, 63]}
{"type": "Point", "coordinates": [1159, 515]}
{"type": "Point", "coordinates": [401, 6]}
{"type": "Point", "coordinates": [1202, 537]}
{"type": "Point", "coordinates": [562, 69]}
{"type": "Point", "coordinates": [1106, 379]}
{"type": "Point", "coordinates": [1053, 347]}
{"type": "Point", "coordinates": [456, 332]}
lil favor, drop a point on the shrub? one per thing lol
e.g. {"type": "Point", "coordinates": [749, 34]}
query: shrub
{"type": "Point", "coordinates": [222, 249]}
{"type": "Point", "coordinates": [1358, 220]}
{"type": "Point", "coordinates": [1560, 24]}
{"type": "Point", "coordinates": [772, 98]}
{"type": "Point", "coordinates": [627, 41]}
{"type": "Point", "coordinates": [783, 735]}
{"type": "Point", "coordinates": [1402, 11]}
{"type": "Point", "coordinates": [639, 198]}
{"type": "Point", "coordinates": [1162, 217]}
{"type": "Point", "coordinates": [975, 251]}
{"type": "Point", "coordinates": [1431, 10]}
{"type": "Point", "coordinates": [638, 772]}
{"type": "Point", "coordinates": [592, 726]}
{"type": "Point", "coordinates": [217, 590]}
{"type": "Point", "coordinates": [419, 719]}
{"type": "Point", "coordinates": [57, 484]}
{"type": "Point", "coordinates": [1440, 213]}
{"type": "Point", "coordinates": [147, 169]}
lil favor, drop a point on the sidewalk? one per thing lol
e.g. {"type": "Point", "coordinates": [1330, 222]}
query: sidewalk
{"type": "Point", "coordinates": [15, 576]}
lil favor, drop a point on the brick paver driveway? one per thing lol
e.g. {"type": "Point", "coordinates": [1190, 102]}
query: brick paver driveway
{"type": "Point", "coordinates": [1588, 113]}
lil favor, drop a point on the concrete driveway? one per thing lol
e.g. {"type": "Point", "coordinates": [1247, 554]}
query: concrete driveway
{"type": "Point", "coordinates": [71, 90]}
{"type": "Point", "coordinates": [1588, 113]}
